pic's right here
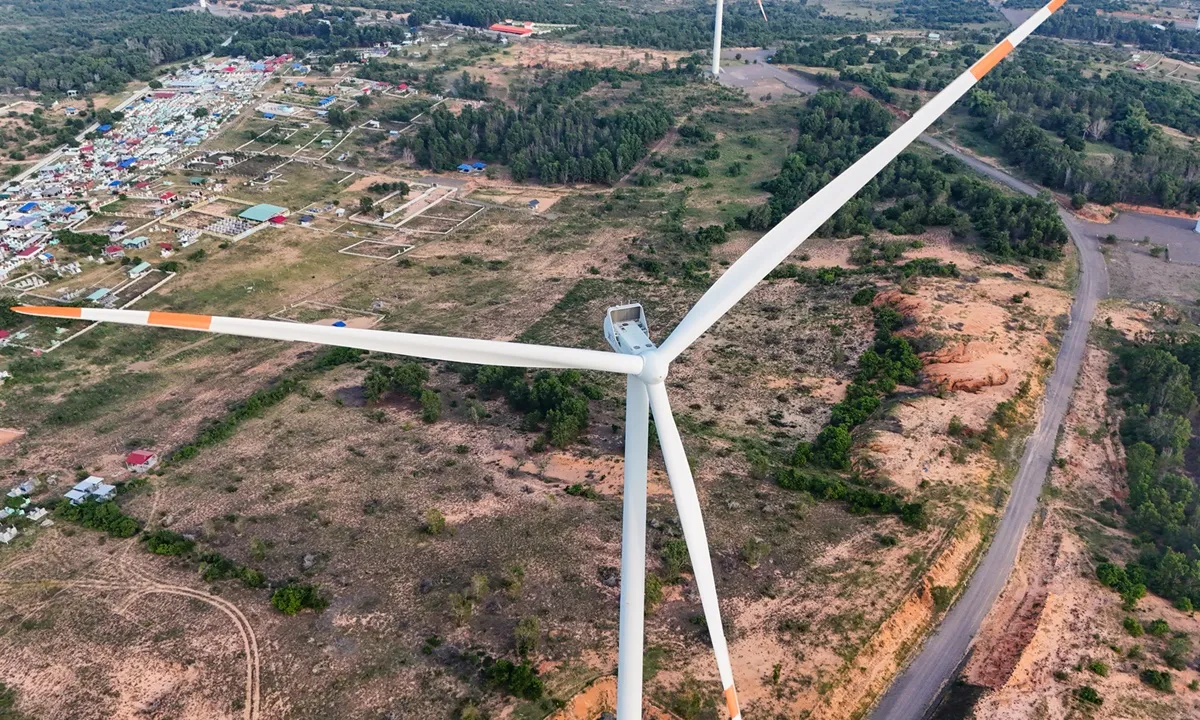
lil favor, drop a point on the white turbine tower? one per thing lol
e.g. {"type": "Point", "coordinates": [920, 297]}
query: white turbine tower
{"type": "Point", "coordinates": [717, 23]}
{"type": "Point", "coordinates": [635, 356]}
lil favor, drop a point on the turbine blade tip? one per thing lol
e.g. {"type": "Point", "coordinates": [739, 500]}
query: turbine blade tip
{"type": "Point", "coordinates": [49, 311]}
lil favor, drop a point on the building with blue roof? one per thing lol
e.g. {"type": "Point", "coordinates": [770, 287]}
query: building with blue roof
{"type": "Point", "coordinates": [104, 128]}
{"type": "Point", "coordinates": [465, 168]}
{"type": "Point", "coordinates": [479, 165]}
{"type": "Point", "coordinates": [127, 163]}
{"type": "Point", "coordinates": [27, 207]}
{"type": "Point", "coordinates": [326, 100]}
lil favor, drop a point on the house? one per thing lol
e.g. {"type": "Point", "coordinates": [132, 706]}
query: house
{"type": "Point", "coordinates": [262, 213]}
{"type": "Point", "coordinates": [139, 270]}
{"type": "Point", "coordinates": [4, 337]}
{"type": "Point", "coordinates": [141, 460]}
{"type": "Point", "coordinates": [197, 180]}
{"type": "Point", "coordinates": [37, 514]}
{"type": "Point", "coordinates": [935, 37]}
{"type": "Point", "coordinates": [114, 251]}
{"type": "Point", "coordinates": [278, 220]}
{"type": "Point", "coordinates": [168, 197]}
{"type": "Point", "coordinates": [98, 295]}
{"type": "Point", "coordinates": [478, 165]}
{"type": "Point", "coordinates": [8, 535]}
{"type": "Point", "coordinates": [138, 242]}
{"type": "Point", "coordinates": [533, 205]}
{"type": "Point", "coordinates": [91, 487]}
{"type": "Point", "coordinates": [465, 168]}
{"type": "Point", "coordinates": [23, 489]}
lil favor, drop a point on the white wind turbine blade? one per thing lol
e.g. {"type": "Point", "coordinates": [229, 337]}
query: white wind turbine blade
{"type": "Point", "coordinates": [762, 10]}
{"type": "Point", "coordinates": [432, 347]}
{"type": "Point", "coordinates": [687, 503]}
{"type": "Point", "coordinates": [774, 247]}
{"type": "Point", "coordinates": [633, 552]}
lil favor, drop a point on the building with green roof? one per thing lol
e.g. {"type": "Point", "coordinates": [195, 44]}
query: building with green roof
{"type": "Point", "coordinates": [262, 213]}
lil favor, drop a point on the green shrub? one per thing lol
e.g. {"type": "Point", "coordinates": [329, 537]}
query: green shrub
{"type": "Point", "coordinates": [165, 542]}
{"type": "Point", "coordinates": [1088, 694]}
{"type": "Point", "coordinates": [1133, 627]}
{"type": "Point", "coordinates": [518, 680]}
{"type": "Point", "coordinates": [1099, 667]}
{"type": "Point", "coordinates": [105, 516]}
{"type": "Point", "coordinates": [291, 599]}
{"type": "Point", "coordinates": [1158, 679]}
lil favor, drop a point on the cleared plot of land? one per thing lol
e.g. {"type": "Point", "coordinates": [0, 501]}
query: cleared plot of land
{"type": "Point", "coordinates": [376, 249]}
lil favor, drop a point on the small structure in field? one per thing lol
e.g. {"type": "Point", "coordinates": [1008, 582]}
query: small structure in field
{"type": "Point", "coordinates": [8, 535]}
{"type": "Point", "coordinates": [141, 460]}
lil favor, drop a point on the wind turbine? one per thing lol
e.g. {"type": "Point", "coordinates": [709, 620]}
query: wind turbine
{"type": "Point", "coordinates": [634, 355]}
{"type": "Point", "coordinates": [716, 65]}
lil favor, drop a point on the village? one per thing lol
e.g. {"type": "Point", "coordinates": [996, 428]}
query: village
{"type": "Point", "coordinates": [209, 155]}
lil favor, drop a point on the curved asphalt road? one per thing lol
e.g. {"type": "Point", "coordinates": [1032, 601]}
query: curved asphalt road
{"type": "Point", "coordinates": [916, 689]}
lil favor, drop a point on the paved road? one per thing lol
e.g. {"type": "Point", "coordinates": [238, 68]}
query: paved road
{"type": "Point", "coordinates": [915, 690]}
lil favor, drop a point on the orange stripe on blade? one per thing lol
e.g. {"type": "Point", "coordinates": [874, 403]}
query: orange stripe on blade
{"type": "Point", "coordinates": [1056, 4]}
{"type": "Point", "coordinates": [991, 60]}
{"type": "Point", "coordinates": [731, 703]}
{"type": "Point", "coordinates": [58, 312]}
{"type": "Point", "coordinates": [180, 320]}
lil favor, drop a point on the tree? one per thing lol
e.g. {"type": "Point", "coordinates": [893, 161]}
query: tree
{"type": "Point", "coordinates": [431, 406]}
{"type": "Point", "coordinates": [832, 448]}
{"type": "Point", "coordinates": [366, 204]}
{"type": "Point", "coordinates": [435, 522]}
{"type": "Point", "coordinates": [200, 112]}
{"type": "Point", "coordinates": [155, 85]}
{"type": "Point", "coordinates": [338, 118]}
{"type": "Point", "coordinates": [526, 636]}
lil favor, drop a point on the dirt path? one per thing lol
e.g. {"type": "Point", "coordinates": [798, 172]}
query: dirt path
{"type": "Point", "coordinates": [922, 682]}
{"type": "Point", "coordinates": [140, 584]}
{"type": "Point", "coordinates": [665, 142]}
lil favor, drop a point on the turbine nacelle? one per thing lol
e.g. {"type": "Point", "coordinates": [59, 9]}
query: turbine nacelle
{"type": "Point", "coordinates": [626, 331]}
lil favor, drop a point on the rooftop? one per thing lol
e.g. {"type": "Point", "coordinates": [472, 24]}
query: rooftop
{"type": "Point", "coordinates": [262, 213]}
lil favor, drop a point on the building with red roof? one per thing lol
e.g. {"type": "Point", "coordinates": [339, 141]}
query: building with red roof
{"type": "Point", "coordinates": [511, 29]}
{"type": "Point", "coordinates": [141, 460]}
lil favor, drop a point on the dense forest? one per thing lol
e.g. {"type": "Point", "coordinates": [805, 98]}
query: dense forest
{"type": "Point", "coordinates": [945, 14]}
{"type": "Point", "coordinates": [1046, 112]}
{"type": "Point", "coordinates": [1157, 385]}
{"type": "Point", "coordinates": [836, 129]}
{"type": "Point", "coordinates": [1042, 110]}
{"type": "Point", "coordinates": [554, 135]}
{"type": "Point", "coordinates": [100, 45]}
{"type": "Point", "coordinates": [1085, 24]}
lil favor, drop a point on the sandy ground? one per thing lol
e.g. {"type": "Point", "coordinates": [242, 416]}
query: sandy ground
{"type": "Point", "coordinates": [566, 56]}
{"type": "Point", "coordinates": [1054, 617]}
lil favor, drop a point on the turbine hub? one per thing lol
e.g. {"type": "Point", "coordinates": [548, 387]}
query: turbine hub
{"type": "Point", "coordinates": [655, 367]}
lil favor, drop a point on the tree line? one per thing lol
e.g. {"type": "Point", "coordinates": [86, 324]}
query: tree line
{"type": "Point", "coordinates": [1042, 111]}
{"type": "Point", "coordinates": [553, 136]}
{"type": "Point", "coordinates": [1086, 24]}
{"type": "Point", "coordinates": [836, 130]}
{"type": "Point", "coordinates": [1157, 384]}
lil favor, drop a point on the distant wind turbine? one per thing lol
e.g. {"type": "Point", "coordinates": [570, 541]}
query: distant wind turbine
{"type": "Point", "coordinates": [634, 355]}
{"type": "Point", "coordinates": [716, 54]}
